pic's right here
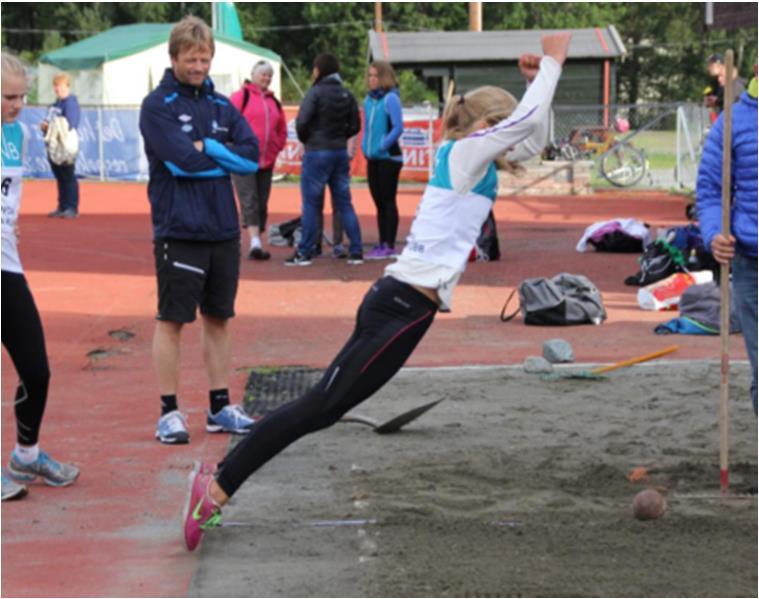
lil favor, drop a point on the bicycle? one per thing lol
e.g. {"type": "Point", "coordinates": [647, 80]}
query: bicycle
{"type": "Point", "coordinates": [622, 164]}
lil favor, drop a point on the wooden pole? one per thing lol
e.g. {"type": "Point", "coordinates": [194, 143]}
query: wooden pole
{"type": "Point", "coordinates": [475, 16]}
{"type": "Point", "coordinates": [607, 91]}
{"type": "Point", "coordinates": [378, 17]}
{"type": "Point", "coordinates": [724, 281]}
{"type": "Point", "coordinates": [451, 89]}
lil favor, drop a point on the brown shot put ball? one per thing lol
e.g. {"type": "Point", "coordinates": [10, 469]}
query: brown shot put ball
{"type": "Point", "coordinates": [649, 505]}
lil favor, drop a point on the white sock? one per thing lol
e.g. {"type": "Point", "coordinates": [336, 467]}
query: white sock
{"type": "Point", "coordinates": [255, 242]}
{"type": "Point", "coordinates": [27, 454]}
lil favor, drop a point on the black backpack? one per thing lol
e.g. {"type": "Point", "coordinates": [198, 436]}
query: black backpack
{"type": "Point", "coordinates": [487, 248]}
{"type": "Point", "coordinates": [659, 261]}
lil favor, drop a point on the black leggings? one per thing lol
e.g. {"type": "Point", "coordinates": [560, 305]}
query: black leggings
{"type": "Point", "coordinates": [390, 322]}
{"type": "Point", "coordinates": [383, 185]}
{"type": "Point", "coordinates": [24, 339]}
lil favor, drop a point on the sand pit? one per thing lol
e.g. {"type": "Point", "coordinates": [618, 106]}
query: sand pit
{"type": "Point", "coordinates": [512, 486]}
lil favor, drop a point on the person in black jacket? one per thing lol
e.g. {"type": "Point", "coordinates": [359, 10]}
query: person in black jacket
{"type": "Point", "coordinates": [194, 138]}
{"type": "Point", "coordinates": [327, 118]}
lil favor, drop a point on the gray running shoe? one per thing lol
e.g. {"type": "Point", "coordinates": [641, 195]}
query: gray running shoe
{"type": "Point", "coordinates": [12, 489]}
{"type": "Point", "coordinates": [55, 474]}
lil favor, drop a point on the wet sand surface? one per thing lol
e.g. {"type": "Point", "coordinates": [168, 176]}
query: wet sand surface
{"type": "Point", "coordinates": [512, 486]}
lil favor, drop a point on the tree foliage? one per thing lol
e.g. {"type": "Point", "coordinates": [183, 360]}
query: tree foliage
{"type": "Point", "coordinates": [666, 43]}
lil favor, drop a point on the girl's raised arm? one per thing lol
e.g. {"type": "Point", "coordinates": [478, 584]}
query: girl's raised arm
{"type": "Point", "coordinates": [523, 133]}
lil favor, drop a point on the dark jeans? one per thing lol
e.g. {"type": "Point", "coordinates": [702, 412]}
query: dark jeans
{"type": "Point", "coordinates": [391, 321]}
{"type": "Point", "coordinates": [68, 186]}
{"type": "Point", "coordinates": [744, 288]}
{"type": "Point", "coordinates": [337, 227]}
{"type": "Point", "coordinates": [24, 339]}
{"type": "Point", "coordinates": [383, 185]}
{"type": "Point", "coordinates": [321, 168]}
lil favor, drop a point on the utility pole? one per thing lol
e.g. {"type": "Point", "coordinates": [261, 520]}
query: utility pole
{"type": "Point", "coordinates": [378, 17]}
{"type": "Point", "coordinates": [475, 16]}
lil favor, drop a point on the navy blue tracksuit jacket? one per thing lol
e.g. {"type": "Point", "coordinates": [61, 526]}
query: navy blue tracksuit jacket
{"type": "Point", "coordinates": [190, 192]}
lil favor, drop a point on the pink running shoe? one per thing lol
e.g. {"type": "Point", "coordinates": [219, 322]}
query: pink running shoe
{"type": "Point", "coordinates": [200, 512]}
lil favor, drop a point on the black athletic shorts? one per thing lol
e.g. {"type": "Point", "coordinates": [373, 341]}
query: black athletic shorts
{"type": "Point", "coordinates": [196, 273]}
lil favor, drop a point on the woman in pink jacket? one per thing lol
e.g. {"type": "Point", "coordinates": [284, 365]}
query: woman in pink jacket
{"type": "Point", "coordinates": [267, 119]}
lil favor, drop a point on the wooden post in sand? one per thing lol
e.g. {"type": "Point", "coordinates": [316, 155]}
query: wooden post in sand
{"type": "Point", "coordinates": [724, 282]}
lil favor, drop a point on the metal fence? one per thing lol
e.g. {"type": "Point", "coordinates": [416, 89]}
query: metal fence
{"type": "Point", "coordinates": [669, 137]}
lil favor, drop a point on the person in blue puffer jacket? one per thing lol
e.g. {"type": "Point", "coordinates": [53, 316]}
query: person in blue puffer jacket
{"type": "Point", "coordinates": [194, 138]}
{"type": "Point", "coordinates": [383, 114]}
{"type": "Point", "coordinates": [740, 245]}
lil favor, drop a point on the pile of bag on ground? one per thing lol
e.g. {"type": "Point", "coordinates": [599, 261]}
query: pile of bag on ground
{"type": "Point", "coordinates": [675, 271]}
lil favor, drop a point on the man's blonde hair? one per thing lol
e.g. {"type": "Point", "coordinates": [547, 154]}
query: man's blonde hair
{"type": "Point", "coordinates": [62, 78]}
{"type": "Point", "coordinates": [12, 66]}
{"type": "Point", "coordinates": [190, 32]}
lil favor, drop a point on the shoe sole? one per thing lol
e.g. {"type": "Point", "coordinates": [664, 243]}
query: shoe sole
{"type": "Point", "coordinates": [186, 510]}
{"type": "Point", "coordinates": [307, 263]}
{"type": "Point", "coordinates": [171, 440]}
{"type": "Point", "coordinates": [217, 428]}
{"type": "Point", "coordinates": [354, 262]}
{"type": "Point", "coordinates": [30, 478]}
{"type": "Point", "coordinates": [20, 494]}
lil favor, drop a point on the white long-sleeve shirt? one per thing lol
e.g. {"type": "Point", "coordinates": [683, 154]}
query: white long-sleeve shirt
{"type": "Point", "coordinates": [460, 195]}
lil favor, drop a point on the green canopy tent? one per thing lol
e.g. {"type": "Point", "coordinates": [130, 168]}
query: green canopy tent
{"type": "Point", "coordinates": [120, 66]}
{"type": "Point", "coordinates": [225, 19]}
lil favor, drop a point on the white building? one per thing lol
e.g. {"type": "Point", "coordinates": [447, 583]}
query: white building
{"type": "Point", "coordinates": [119, 67]}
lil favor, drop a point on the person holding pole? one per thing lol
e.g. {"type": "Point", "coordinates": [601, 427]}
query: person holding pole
{"type": "Point", "coordinates": [739, 245]}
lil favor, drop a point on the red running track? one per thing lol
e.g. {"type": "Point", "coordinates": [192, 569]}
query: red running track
{"type": "Point", "coordinates": [116, 532]}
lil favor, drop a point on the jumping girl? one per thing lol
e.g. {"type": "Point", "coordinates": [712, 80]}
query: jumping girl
{"type": "Point", "coordinates": [479, 128]}
{"type": "Point", "coordinates": [22, 329]}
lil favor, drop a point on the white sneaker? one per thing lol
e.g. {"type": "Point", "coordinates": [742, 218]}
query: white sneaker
{"type": "Point", "coordinates": [230, 419]}
{"type": "Point", "coordinates": [172, 428]}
